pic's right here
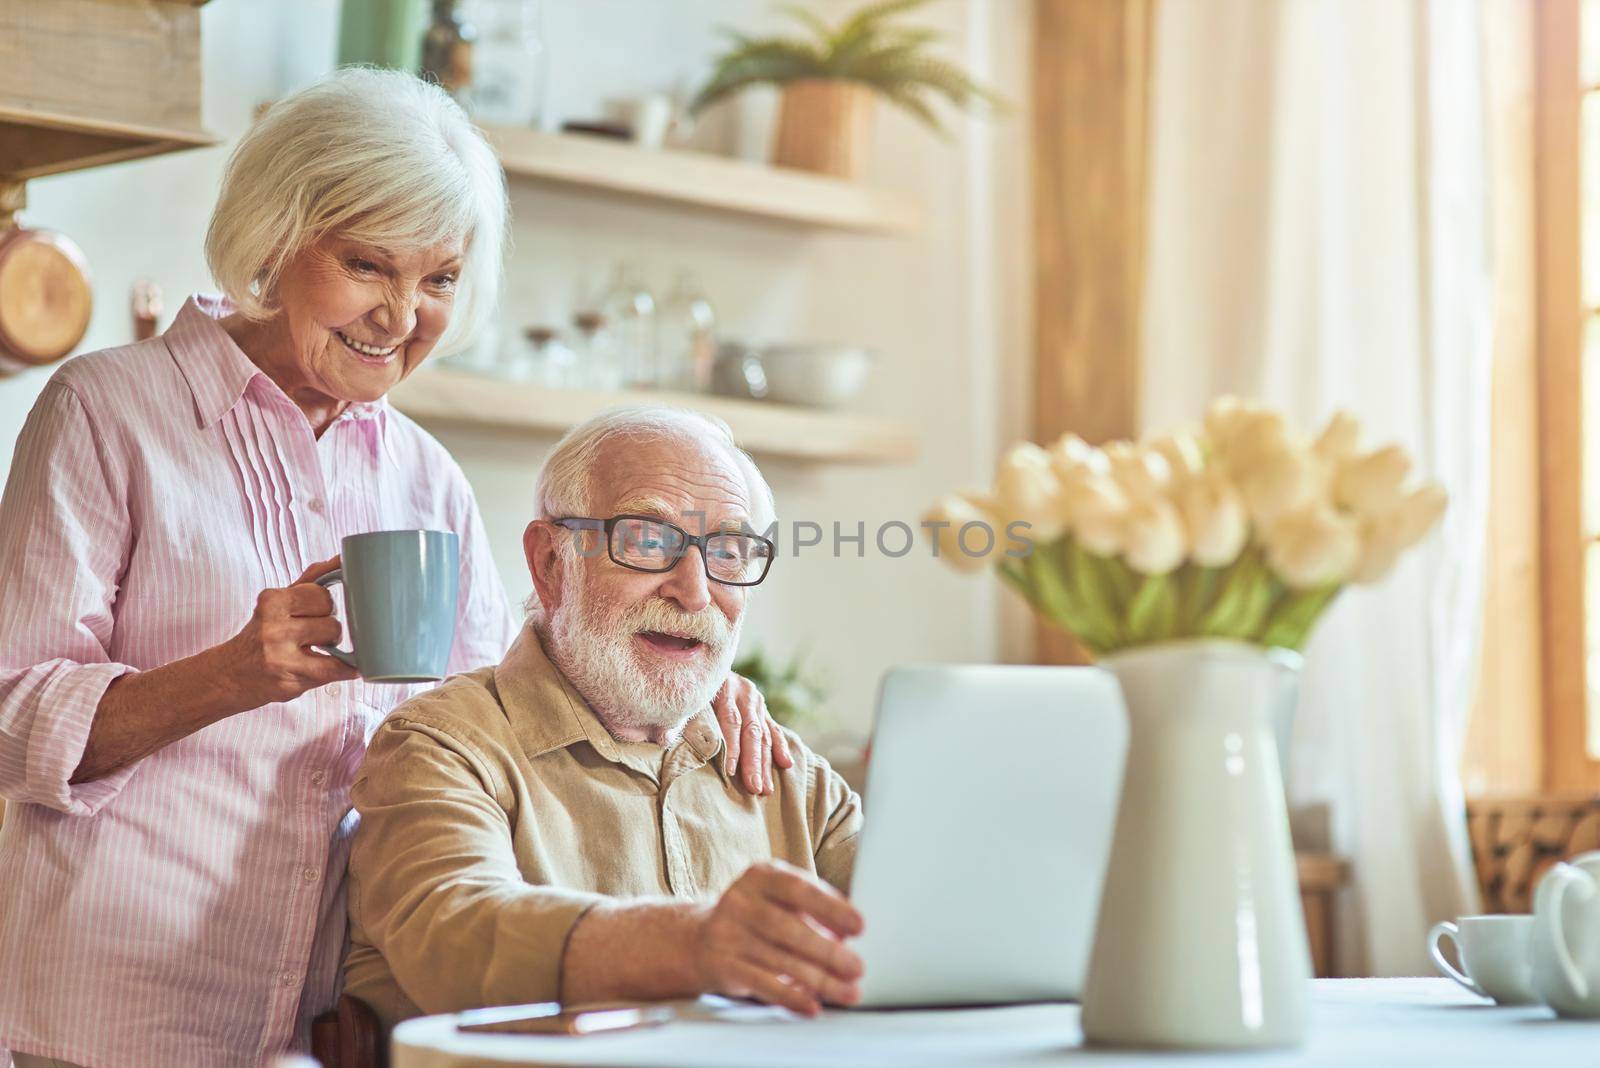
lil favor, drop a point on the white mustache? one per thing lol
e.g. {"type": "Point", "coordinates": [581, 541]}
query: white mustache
{"type": "Point", "coordinates": [707, 625]}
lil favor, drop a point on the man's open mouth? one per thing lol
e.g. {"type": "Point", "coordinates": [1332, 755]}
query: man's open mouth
{"type": "Point", "coordinates": [670, 643]}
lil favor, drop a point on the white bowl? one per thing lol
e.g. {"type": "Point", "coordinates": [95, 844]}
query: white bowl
{"type": "Point", "coordinates": [821, 376]}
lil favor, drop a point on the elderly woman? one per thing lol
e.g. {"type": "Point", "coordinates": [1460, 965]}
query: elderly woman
{"type": "Point", "coordinates": [177, 756]}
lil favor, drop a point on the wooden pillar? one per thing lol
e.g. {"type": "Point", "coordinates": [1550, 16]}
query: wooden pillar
{"type": "Point", "coordinates": [1091, 102]}
{"type": "Point", "coordinates": [1557, 170]}
{"type": "Point", "coordinates": [1505, 743]}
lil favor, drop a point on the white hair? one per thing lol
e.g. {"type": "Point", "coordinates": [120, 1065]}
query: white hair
{"type": "Point", "coordinates": [566, 479]}
{"type": "Point", "coordinates": [376, 156]}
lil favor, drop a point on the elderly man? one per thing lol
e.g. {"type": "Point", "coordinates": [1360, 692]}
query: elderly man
{"type": "Point", "coordinates": [564, 826]}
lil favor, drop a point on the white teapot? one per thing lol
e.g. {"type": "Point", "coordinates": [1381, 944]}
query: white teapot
{"type": "Point", "coordinates": [1566, 937]}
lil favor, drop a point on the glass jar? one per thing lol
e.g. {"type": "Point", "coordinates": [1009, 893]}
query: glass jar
{"type": "Point", "coordinates": [630, 309]}
{"type": "Point", "coordinates": [596, 364]}
{"type": "Point", "coordinates": [688, 337]}
{"type": "Point", "coordinates": [510, 65]}
{"type": "Point", "coordinates": [550, 362]}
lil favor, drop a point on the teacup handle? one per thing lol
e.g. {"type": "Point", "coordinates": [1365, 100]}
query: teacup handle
{"type": "Point", "coordinates": [347, 655]}
{"type": "Point", "coordinates": [1547, 904]}
{"type": "Point", "coordinates": [1451, 931]}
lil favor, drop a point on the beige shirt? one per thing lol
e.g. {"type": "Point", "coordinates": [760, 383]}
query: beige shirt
{"type": "Point", "coordinates": [496, 809]}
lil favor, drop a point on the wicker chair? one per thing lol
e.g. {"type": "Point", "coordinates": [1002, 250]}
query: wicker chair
{"type": "Point", "coordinates": [1516, 840]}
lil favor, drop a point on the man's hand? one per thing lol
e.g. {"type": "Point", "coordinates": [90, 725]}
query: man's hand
{"type": "Point", "coordinates": [777, 935]}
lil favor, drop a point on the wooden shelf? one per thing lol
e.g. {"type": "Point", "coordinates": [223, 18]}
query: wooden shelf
{"type": "Point", "coordinates": [701, 180]}
{"type": "Point", "coordinates": [34, 144]}
{"type": "Point", "coordinates": [457, 397]}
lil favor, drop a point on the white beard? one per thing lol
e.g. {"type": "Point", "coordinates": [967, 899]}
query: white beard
{"type": "Point", "coordinates": [595, 649]}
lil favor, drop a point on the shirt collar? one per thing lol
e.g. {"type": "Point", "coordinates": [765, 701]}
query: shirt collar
{"type": "Point", "coordinates": [217, 370]}
{"type": "Point", "coordinates": [547, 713]}
{"type": "Point", "coordinates": [219, 373]}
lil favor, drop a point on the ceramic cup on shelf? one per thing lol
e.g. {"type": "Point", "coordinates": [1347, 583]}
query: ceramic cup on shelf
{"type": "Point", "coordinates": [1495, 958]}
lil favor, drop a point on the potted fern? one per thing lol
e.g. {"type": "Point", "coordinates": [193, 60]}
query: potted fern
{"type": "Point", "coordinates": [831, 76]}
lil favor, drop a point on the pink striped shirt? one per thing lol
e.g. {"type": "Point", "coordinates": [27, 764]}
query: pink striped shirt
{"type": "Point", "coordinates": [189, 909]}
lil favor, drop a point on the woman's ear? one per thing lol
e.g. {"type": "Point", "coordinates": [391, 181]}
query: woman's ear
{"type": "Point", "coordinates": [543, 553]}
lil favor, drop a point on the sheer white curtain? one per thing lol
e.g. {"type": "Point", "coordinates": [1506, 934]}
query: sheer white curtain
{"type": "Point", "coordinates": [1319, 240]}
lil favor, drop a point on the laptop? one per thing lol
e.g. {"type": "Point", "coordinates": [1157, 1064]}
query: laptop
{"type": "Point", "coordinates": [990, 804]}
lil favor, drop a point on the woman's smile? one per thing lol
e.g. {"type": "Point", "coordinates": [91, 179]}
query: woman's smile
{"type": "Point", "coordinates": [374, 355]}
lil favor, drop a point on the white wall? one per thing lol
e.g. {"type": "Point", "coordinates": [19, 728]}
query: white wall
{"type": "Point", "coordinates": [948, 309]}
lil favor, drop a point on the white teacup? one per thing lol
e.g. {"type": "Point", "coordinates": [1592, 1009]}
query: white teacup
{"type": "Point", "coordinates": [1495, 958]}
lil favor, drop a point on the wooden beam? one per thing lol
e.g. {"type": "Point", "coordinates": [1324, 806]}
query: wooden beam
{"type": "Point", "coordinates": [1560, 390]}
{"type": "Point", "coordinates": [1091, 104]}
{"type": "Point", "coordinates": [1505, 737]}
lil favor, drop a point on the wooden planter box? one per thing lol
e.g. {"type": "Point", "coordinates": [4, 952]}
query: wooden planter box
{"type": "Point", "coordinates": [86, 82]}
{"type": "Point", "coordinates": [825, 126]}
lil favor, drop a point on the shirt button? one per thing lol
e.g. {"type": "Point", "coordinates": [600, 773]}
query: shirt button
{"type": "Point", "coordinates": [308, 874]}
{"type": "Point", "coordinates": [315, 506]}
{"type": "Point", "coordinates": [334, 689]}
{"type": "Point", "coordinates": [288, 978]}
{"type": "Point", "coordinates": [318, 778]}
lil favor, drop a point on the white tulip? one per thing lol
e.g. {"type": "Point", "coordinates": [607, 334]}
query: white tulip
{"type": "Point", "coordinates": [1312, 545]}
{"type": "Point", "coordinates": [1153, 539]}
{"type": "Point", "coordinates": [1071, 454]}
{"type": "Point", "coordinates": [1093, 507]}
{"type": "Point", "coordinates": [1239, 432]}
{"type": "Point", "coordinates": [1276, 481]}
{"type": "Point", "coordinates": [1026, 489]}
{"type": "Point", "coordinates": [1141, 473]}
{"type": "Point", "coordinates": [1369, 484]}
{"type": "Point", "coordinates": [1214, 517]}
{"type": "Point", "coordinates": [1183, 454]}
{"type": "Point", "coordinates": [944, 522]}
{"type": "Point", "coordinates": [986, 503]}
{"type": "Point", "coordinates": [1421, 509]}
{"type": "Point", "coordinates": [1223, 419]}
{"type": "Point", "coordinates": [1380, 547]}
{"type": "Point", "coordinates": [1339, 439]}
{"type": "Point", "coordinates": [1388, 534]}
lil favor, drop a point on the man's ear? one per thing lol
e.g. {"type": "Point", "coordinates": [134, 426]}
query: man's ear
{"type": "Point", "coordinates": [543, 554]}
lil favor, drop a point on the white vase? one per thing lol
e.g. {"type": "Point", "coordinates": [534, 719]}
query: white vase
{"type": "Point", "coordinates": [1201, 943]}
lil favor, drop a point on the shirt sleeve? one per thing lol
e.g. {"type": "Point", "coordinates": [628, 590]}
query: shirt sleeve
{"type": "Point", "coordinates": [485, 626]}
{"type": "Point", "coordinates": [64, 541]}
{"type": "Point", "coordinates": [835, 818]}
{"type": "Point", "coordinates": [435, 886]}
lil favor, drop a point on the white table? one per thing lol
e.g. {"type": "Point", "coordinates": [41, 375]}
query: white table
{"type": "Point", "coordinates": [1414, 1023]}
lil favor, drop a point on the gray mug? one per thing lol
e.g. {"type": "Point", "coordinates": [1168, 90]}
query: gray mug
{"type": "Point", "coordinates": [399, 603]}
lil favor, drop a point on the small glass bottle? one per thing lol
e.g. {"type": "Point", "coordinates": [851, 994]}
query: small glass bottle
{"type": "Point", "coordinates": [630, 309]}
{"type": "Point", "coordinates": [509, 61]}
{"type": "Point", "coordinates": [688, 338]}
{"type": "Point", "coordinates": [447, 49]}
{"type": "Point", "coordinates": [597, 366]}
{"type": "Point", "coordinates": [551, 363]}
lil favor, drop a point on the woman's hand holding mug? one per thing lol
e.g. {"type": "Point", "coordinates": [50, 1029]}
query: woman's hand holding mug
{"type": "Point", "coordinates": [271, 658]}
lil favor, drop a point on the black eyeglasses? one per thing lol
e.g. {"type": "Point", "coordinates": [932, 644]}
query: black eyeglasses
{"type": "Point", "coordinates": [645, 543]}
